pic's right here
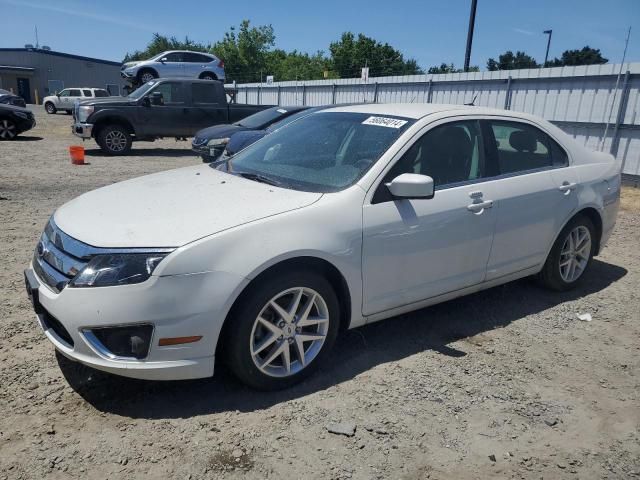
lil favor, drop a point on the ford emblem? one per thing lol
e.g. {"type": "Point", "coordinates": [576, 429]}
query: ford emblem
{"type": "Point", "coordinates": [40, 249]}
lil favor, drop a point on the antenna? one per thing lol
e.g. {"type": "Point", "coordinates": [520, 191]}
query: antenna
{"type": "Point", "coordinates": [37, 44]}
{"type": "Point", "coordinates": [472, 103]}
{"type": "Point", "coordinates": [615, 91]}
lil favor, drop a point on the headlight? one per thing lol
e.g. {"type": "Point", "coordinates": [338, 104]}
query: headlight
{"type": "Point", "coordinates": [117, 269]}
{"type": "Point", "coordinates": [84, 111]}
{"type": "Point", "coordinates": [218, 141]}
{"type": "Point", "coordinates": [22, 115]}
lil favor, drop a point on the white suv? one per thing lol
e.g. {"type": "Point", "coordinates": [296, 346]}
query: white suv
{"type": "Point", "coordinates": [67, 98]}
{"type": "Point", "coordinates": [175, 63]}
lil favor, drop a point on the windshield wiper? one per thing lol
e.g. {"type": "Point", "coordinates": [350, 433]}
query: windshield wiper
{"type": "Point", "coordinates": [256, 177]}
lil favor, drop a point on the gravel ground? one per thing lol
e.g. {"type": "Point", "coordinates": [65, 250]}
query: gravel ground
{"type": "Point", "coordinates": [504, 383]}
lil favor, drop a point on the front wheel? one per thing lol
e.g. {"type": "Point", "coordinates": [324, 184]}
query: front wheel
{"type": "Point", "coordinates": [146, 76]}
{"type": "Point", "coordinates": [50, 108]}
{"type": "Point", "coordinates": [571, 255]}
{"type": "Point", "coordinates": [8, 130]}
{"type": "Point", "coordinates": [282, 330]}
{"type": "Point", "coordinates": [114, 140]}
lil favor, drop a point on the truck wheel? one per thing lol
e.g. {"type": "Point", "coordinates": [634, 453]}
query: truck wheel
{"type": "Point", "coordinates": [114, 140]}
{"type": "Point", "coordinates": [146, 76]}
{"type": "Point", "coordinates": [50, 108]}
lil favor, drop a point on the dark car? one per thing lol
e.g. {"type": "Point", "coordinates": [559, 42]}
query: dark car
{"type": "Point", "coordinates": [210, 142]}
{"type": "Point", "coordinates": [8, 98]}
{"type": "Point", "coordinates": [14, 120]}
{"type": "Point", "coordinates": [241, 140]}
{"type": "Point", "coordinates": [161, 108]}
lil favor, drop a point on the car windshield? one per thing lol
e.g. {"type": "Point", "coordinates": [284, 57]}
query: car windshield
{"type": "Point", "coordinates": [261, 119]}
{"type": "Point", "coordinates": [142, 91]}
{"type": "Point", "coordinates": [322, 152]}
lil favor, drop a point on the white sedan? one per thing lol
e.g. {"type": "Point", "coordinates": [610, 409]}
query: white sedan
{"type": "Point", "coordinates": [347, 216]}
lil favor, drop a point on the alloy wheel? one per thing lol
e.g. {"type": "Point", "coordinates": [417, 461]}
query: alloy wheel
{"type": "Point", "coordinates": [115, 140]}
{"type": "Point", "coordinates": [7, 129]}
{"type": "Point", "coordinates": [289, 332]}
{"type": "Point", "coordinates": [147, 77]}
{"type": "Point", "coordinates": [575, 254]}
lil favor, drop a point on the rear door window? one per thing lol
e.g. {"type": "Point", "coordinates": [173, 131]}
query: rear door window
{"type": "Point", "coordinates": [75, 92]}
{"type": "Point", "coordinates": [203, 93]}
{"type": "Point", "coordinates": [521, 147]}
{"type": "Point", "coordinates": [87, 93]}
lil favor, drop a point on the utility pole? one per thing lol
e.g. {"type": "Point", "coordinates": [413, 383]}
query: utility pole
{"type": "Point", "coordinates": [546, 55]}
{"type": "Point", "coordinates": [472, 22]}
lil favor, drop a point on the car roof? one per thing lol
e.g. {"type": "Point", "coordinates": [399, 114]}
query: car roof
{"type": "Point", "coordinates": [420, 110]}
{"type": "Point", "coordinates": [187, 51]}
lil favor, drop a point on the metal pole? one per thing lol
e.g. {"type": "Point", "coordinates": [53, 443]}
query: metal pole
{"type": "Point", "coordinates": [507, 97]}
{"type": "Point", "coordinates": [622, 106]}
{"type": "Point", "coordinates": [279, 94]}
{"type": "Point", "coordinates": [375, 94]}
{"type": "Point", "coordinates": [472, 22]}
{"type": "Point", "coordinates": [333, 94]}
{"type": "Point", "coordinates": [430, 91]}
{"type": "Point", "coordinates": [304, 94]}
{"type": "Point", "coordinates": [546, 55]}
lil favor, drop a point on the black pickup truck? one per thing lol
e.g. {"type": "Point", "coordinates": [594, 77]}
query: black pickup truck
{"type": "Point", "coordinates": [160, 108]}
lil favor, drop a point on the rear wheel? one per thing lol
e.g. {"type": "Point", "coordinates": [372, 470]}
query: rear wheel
{"type": "Point", "coordinates": [208, 76]}
{"type": "Point", "coordinates": [114, 140]}
{"type": "Point", "coordinates": [282, 330]}
{"type": "Point", "coordinates": [571, 255]}
{"type": "Point", "coordinates": [50, 108]}
{"type": "Point", "coordinates": [8, 129]}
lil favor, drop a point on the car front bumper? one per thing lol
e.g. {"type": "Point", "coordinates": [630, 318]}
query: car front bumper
{"type": "Point", "coordinates": [82, 130]}
{"type": "Point", "coordinates": [176, 306]}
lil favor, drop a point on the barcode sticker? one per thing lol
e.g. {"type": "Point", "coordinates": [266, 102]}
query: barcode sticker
{"type": "Point", "coordinates": [384, 122]}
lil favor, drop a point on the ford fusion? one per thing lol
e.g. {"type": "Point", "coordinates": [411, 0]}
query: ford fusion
{"type": "Point", "coordinates": [347, 216]}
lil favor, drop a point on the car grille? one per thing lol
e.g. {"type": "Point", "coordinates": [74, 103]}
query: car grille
{"type": "Point", "coordinates": [58, 257]}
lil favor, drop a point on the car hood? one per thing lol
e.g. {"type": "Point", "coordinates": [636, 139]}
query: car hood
{"type": "Point", "coordinates": [173, 208]}
{"type": "Point", "coordinates": [108, 101]}
{"type": "Point", "coordinates": [217, 131]}
{"type": "Point", "coordinates": [14, 108]}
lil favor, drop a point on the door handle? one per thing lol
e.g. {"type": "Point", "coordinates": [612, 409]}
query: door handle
{"type": "Point", "coordinates": [480, 206]}
{"type": "Point", "coordinates": [566, 187]}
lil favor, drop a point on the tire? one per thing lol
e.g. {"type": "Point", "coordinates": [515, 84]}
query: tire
{"type": "Point", "coordinates": [145, 76]}
{"type": "Point", "coordinates": [206, 159]}
{"type": "Point", "coordinates": [250, 341]}
{"type": "Point", "coordinates": [50, 108]}
{"type": "Point", "coordinates": [208, 76]}
{"type": "Point", "coordinates": [568, 263]}
{"type": "Point", "coordinates": [114, 140]}
{"type": "Point", "coordinates": [8, 129]}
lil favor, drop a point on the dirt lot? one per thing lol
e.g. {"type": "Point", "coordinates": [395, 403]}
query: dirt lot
{"type": "Point", "coordinates": [506, 383]}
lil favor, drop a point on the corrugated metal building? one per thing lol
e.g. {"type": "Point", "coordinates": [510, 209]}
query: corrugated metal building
{"type": "Point", "coordinates": [592, 103]}
{"type": "Point", "coordinates": [34, 73]}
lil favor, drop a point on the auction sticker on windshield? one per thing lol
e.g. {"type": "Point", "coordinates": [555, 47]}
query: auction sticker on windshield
{"type": "Point", "coordinates": [384, 122]}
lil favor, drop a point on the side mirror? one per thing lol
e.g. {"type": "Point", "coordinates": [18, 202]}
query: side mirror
{"type": "Point", "coordinates": [156, 98]}
{"type": "Point", "coordinates": [411, 185]}
{"type": "Point", "coordinates": [146, 102]}
{"type": "Point", "coordinates": [163, 59]}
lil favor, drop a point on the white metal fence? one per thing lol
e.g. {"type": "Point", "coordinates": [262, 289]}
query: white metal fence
{"type": "Point", "coordinates": [580, 100]}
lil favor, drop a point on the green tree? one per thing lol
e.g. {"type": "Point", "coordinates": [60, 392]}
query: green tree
{"type": "Point", "coordinates": [245, 52]}
{"type": "Point", "coordinates": [350, 54]}
{"type": "Point", "coordinates": [509, 61]}
{"type": "Point", "coordinates": [584, 56]}
{"type": "Point", "coordinates": [450, 68]}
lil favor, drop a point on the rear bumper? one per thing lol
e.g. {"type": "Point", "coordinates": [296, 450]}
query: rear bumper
{"type": "Point", "coordinates": [82, 130]}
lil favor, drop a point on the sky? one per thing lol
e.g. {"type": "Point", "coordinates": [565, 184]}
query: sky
{"type": "Point", "coordinates": [430, 31]}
